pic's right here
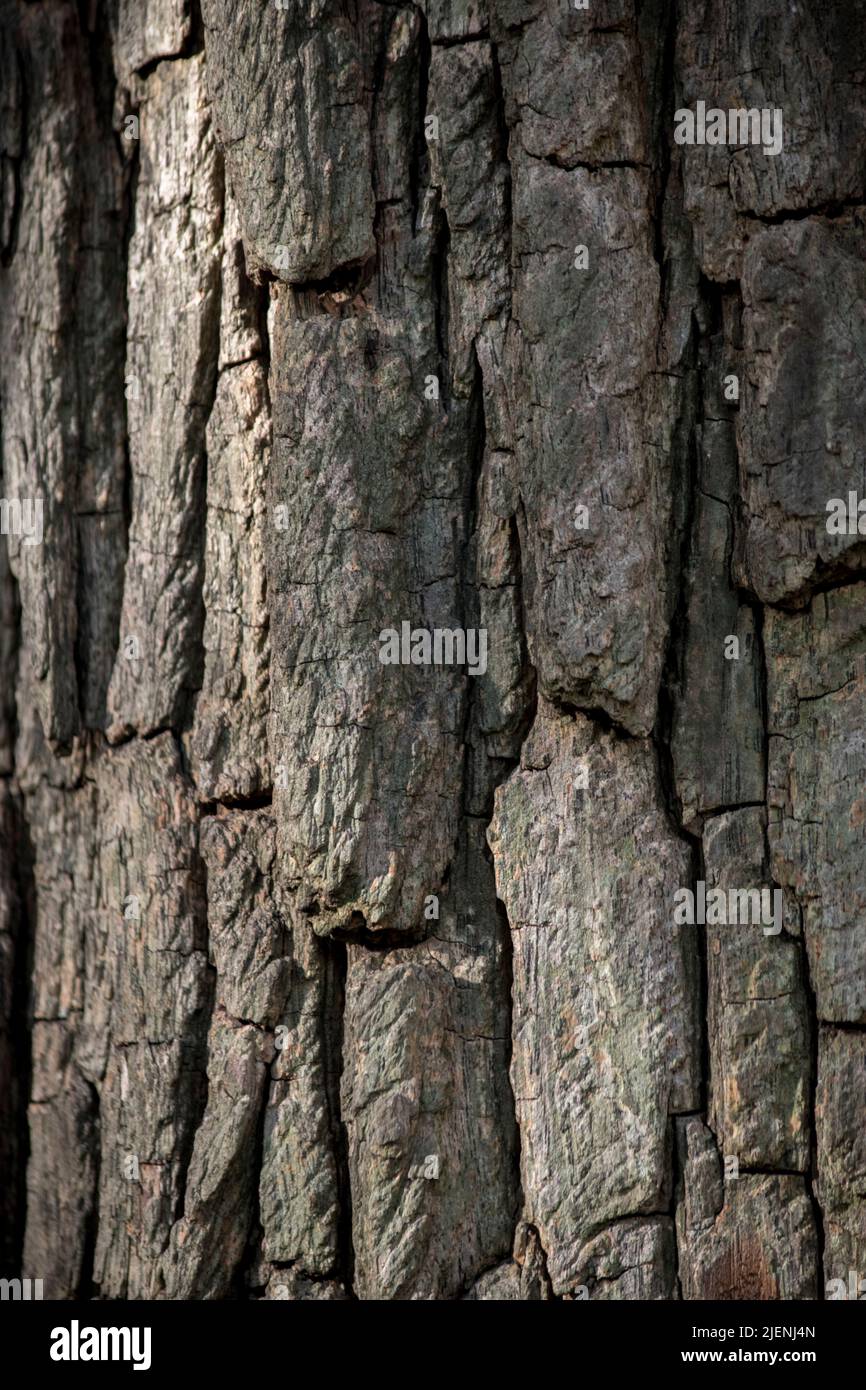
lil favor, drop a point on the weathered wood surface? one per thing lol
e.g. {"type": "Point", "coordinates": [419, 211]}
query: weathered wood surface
{"type": "Point", "coordinates": [328, 978]}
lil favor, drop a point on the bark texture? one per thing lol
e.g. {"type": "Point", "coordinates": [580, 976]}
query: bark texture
{"type": "Point", "coordinates": [328, 978]}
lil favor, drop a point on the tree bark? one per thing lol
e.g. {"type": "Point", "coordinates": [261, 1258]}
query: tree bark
{"type": "Point", "coordinates": [328, 977]}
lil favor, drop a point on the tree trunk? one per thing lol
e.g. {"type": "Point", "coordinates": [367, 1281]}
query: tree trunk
{"type": "Point", "coordinates": [424, 597]}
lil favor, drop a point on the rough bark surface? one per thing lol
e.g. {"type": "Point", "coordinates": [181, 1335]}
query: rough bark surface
{"type": "Point", "coordinates": [326, 978]}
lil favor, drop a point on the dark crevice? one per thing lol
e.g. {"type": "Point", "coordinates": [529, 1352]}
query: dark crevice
{"type": "Point", "coordinates": [180, 749]}
{"type": "Point", "coordinates": [388, 939]}
{"type": "Point", "coordinates": [764, 709]}
{"type": "Point", "coordinates": [90, 1139]}
{"type": "Point", "coordinates": [130, 194]}
{"type": "Point", "coordinates": [128, 154]}
{"type": "Point", "coordinates": [535, 1256]}
{"type": "Point", "coordinates": [193, 1105]}
{"type": "Point", "coordinates": [504, 138]}
{"type": "Point", "coordinates": [98, 42]}
{"type": "Point", "coordinates": [598, 716]}
{"type": "Point", "coordinates": [829, 210]}
{"type": "Point", "coordinates": [22, 860]}
{"type": "Point", "coordinates": [337, 292]}
{"type": "Point", "coordinates": [18, 161]}
{"type": "Point", "coordinates": [710, 811]}
{"type": "Point", "coordinates": [379, 68]}
{"type": "Point", "coordinates": [195, 42]}
{"type": "Point", "coordinates": [508, 994]}
{"type": "Point", "coordinates": [558, 161]}
{"type": "Point", "coordinates": [661, 20]}
{"type": "Point", "coordinates": [262, 294]}
{"type": "Point", "coordinates": [441, 243]}
{"type": "Point", "coordinates": [530, 709]}
{"type": "Point", "coordinates": [759, 1170]}
{"type": "Point", "coordinates": [684, 493]}
{"type": "Point", "coordinates": [831, 575]}
{"type": "Point", "coordinates": [192, 44]}
{"type": "Point", "coordinates": [419, 158]}
{"type": "Point", "coordinates": [461, 40]}
{"type": "Point", "coordinates": [198, 504]}
{"type": "Point", "coordinates": [482, 774]}
{"type": "Point", "coordinates": [678, 1182]}
{"type": "Point", "coordinates": [333, 1029]}
{"type": "Point", "coordinates": [102, 165]}
{"type": "Point", "coordinates": [258, 801]}
{"type": "Point", "coordinates": [470, 609]}
{"type": "Point", "coordinates": [242, 1285]}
